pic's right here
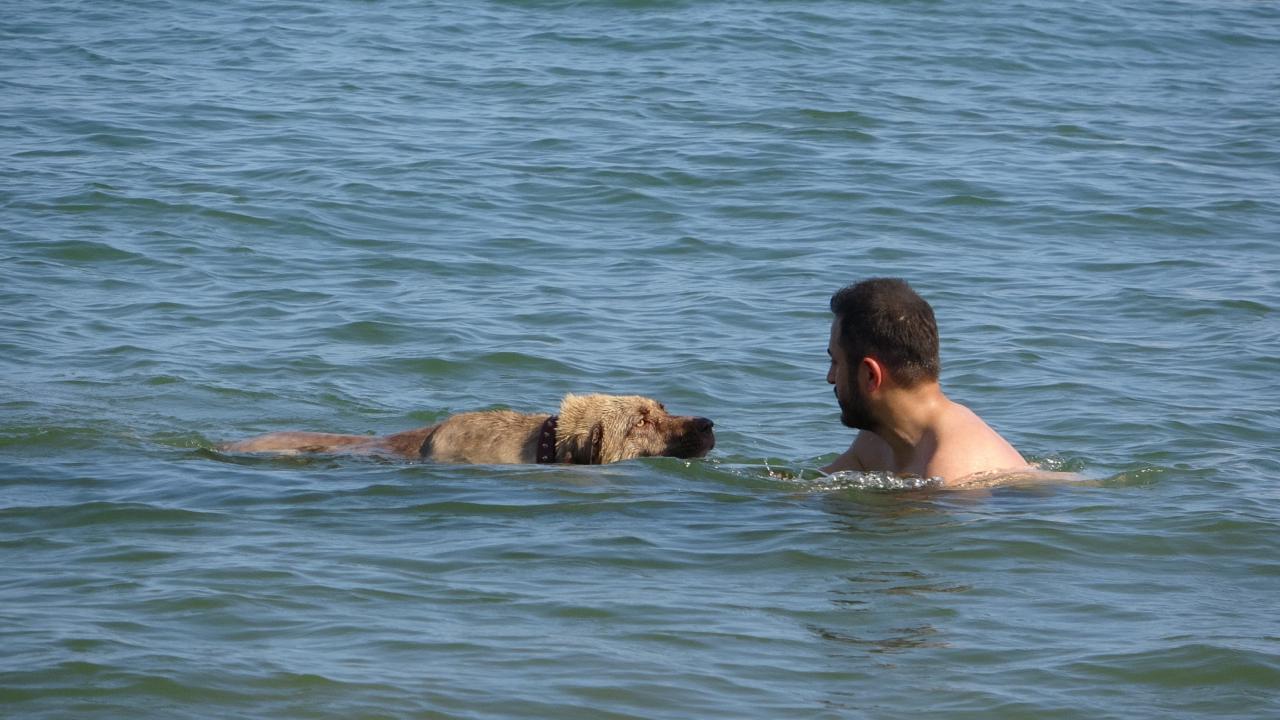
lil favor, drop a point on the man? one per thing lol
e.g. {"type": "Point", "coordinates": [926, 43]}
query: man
{"type": "Point", "coordinates": [885, 365]}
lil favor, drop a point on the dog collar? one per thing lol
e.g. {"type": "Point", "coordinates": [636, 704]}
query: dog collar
{"type": "Point", "coordinates": [547, 440]}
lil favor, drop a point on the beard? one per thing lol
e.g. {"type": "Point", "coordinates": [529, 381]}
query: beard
{"type": "Point", "coordinates": [855, 413]}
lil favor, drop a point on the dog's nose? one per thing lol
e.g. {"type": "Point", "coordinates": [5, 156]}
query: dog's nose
{"type": "Point", "coordinates": [702, 424]}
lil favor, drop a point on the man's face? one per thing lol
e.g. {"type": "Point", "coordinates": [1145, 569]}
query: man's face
{"type": "Point", "coordinates": [854, 410]}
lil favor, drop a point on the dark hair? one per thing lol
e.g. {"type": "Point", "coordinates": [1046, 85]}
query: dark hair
{"type": "Point", "coordinates": [885, 319]}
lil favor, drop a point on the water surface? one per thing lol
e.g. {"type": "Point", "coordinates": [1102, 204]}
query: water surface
{"type": "Point", "coordinates": [227, 219]}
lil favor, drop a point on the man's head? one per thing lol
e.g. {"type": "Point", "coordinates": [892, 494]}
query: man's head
{"type": "Point", "coordinates": [885, 320]}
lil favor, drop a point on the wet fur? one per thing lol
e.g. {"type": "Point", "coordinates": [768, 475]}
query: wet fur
{"type": "Point", "coordinates": [592, 430]}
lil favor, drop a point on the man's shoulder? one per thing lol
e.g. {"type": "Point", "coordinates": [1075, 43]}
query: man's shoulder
{"type": "Point", "coordinates": [964, 425]}
{"type": "Point", "coordinates": [968, 445]}
{"type": "Point", "coordinates": [868, 452]}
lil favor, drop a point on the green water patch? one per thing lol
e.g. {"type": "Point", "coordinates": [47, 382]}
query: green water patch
{"type": "Point", "coordinates": [52, 438]}
{"type": "Point", "coordinates": [370, 332]}
{"type": "Point", "coordinates": [88, 252]}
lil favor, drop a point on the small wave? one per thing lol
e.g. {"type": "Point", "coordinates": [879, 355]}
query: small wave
{"type": "Point", "coordinates": [1135, 478]}
{"type": "Point", "coordinates": [101, 513]}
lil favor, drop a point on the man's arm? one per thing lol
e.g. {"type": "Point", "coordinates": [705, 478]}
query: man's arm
{"type": "Point", "coordinates": [866, 453]}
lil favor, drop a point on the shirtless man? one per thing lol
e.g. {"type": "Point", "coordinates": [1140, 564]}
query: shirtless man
{"type": "Point", "coordinates": [884, 365]}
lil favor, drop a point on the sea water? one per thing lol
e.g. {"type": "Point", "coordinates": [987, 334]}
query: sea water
{"type": "Point", "coordinates": [220, 219]}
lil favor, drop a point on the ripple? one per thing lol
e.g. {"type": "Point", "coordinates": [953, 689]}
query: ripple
{"type": "Point", "coordinates": [109, 514]}
{"type": "Point", "coordinates": [1185, 665]}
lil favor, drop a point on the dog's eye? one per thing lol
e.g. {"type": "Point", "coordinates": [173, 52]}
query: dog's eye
{"type": "Point", "coordinates": [641, 422]}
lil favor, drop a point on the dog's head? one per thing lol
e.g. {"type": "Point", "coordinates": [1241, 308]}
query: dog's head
{"type": "Point", "coordinates": [601, 429]}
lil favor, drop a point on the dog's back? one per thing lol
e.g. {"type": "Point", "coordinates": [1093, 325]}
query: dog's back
{"type": "Point", "coordinates": [496, 437]}
{"type": "Point", "coordinates": [292, 443]}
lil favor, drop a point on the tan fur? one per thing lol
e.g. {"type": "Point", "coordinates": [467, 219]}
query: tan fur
{"type": "Point", "coordinates": [592, 429]}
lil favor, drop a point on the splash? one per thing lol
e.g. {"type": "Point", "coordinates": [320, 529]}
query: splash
{"type": "Point", "coordinates": [873, 482]}
{"type": "Point", "coordinates": [813, 480]}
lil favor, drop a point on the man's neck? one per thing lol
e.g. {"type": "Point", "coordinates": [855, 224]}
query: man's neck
{"type": "Point", "coordinates": [910, 420]}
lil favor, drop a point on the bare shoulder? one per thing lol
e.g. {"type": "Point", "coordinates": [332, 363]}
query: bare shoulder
{"type": "Point", "coordinates": [968, 446]}
{"type": "Point", "coordinates": [868, 452]}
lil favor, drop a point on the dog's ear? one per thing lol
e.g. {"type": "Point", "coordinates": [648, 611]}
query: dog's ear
{"type": "Point", "coordinates": [596, 445]}
{"type": "Point", "coordinates": [586, 449]}
{"type": "Point", "coordinates": [609, 436]}
{"type": "Point", "coordinates": [596, 427]}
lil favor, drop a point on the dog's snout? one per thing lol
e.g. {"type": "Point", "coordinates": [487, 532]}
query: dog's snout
{"type": "Point", "coordinates": [702, 424]}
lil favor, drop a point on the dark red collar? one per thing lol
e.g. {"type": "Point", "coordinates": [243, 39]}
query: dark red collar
{"type": "Point", "coordinates": [547, 440]}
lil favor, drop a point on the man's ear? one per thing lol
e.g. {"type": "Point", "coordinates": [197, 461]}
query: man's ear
{"type": "Point", "coordinates": [871, 373]}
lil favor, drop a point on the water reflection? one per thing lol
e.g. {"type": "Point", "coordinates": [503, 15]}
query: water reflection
{"type": "Point", "coordinates": [866, 592]}
{"type": "Point", "coordinates": [897, 640]}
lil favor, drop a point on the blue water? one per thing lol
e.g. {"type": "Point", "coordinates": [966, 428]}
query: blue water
{"type": "Point", "coordinates": [231, 218]}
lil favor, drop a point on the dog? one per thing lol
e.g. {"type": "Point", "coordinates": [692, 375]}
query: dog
{"type": "Point", "coordinates": [589, 430]}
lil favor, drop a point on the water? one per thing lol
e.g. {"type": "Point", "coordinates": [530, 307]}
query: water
{"type": "Point", "coordinates": [230, 218]}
